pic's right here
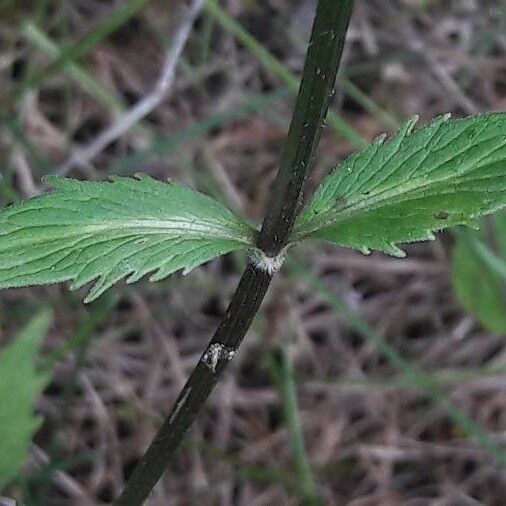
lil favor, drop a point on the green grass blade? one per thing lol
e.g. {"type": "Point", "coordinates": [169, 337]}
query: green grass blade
{"type": "Point", "coordinates": [161, 146]}
{"type": "Point", "coordinates": [77, 50]}
{"type": "Point", "coordinates": [80, 75]}
{"type": "Point", "coordinates": [338, 124]}
{"type": "Point", "coordinates": [284, 374]}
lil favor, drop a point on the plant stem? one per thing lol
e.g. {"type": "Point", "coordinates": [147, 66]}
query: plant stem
{"type": "Point", "coordinates": [316, 90]}
{"type": "Point", "coordinates": [322, 61]}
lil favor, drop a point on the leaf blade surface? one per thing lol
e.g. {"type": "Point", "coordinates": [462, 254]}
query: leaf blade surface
{"type": "Point", "coordinates": [20, 384]}
{"type": "Point", "coordinates": [84, 231]}
{"type": "Point", "coordinates": [444, 174]}
{"type": "Point", "coordinates": [479, 273]}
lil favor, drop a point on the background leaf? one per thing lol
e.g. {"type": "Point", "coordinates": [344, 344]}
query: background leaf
{"type": "Point", "coordinates": [479, 274]}
{"type": "Point", "coordinates": [20, 384]}
{"type": "Point", "coordinates": [107, 230]}
{"type": "Point", "coordinates": [444, 174]}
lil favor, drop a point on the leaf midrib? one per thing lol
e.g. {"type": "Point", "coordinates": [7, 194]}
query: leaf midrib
{"type": "Point", "coordinates": [179, 227]}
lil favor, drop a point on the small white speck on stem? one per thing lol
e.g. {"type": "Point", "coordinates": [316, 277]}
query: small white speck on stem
{"type": "Point", "coordinates": [215, 353]}
{"type": "Point", "coordinates": [265, 263]}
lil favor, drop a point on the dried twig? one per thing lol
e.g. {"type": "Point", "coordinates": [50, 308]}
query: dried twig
{"type": "Point", "coordinates": [82, 156]}
{"type": "Point", "coordinates": [24, 174]}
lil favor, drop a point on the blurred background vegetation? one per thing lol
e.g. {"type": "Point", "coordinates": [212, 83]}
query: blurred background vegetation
{"type": "Point", "coordinates": [365, 380]}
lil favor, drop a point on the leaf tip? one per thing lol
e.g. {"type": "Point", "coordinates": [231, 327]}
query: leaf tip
{"type": "Point", "coordinates": [134, 277]}
{"type": "Point", "coordinates": [441, 120]}
{"type": "Point", "coordinates": [395, 251]}
{"type": "Point", "coordinates": [97, 290]}
{"type": "Point", "coordinates": [90, 298]}
{"type": "Point", "coordinates": [380, 139]}
{"type": "Point", "coordinates": [411, 123]}
{"type": "Point", "coordinates": [187, 270]}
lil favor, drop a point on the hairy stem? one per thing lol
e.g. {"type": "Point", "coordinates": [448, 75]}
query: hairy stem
{"type": "Point", "coordinates": [320, 69]}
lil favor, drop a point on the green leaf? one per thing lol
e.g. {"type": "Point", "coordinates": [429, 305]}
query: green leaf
{"type": "Point", "coordinates": [499, 223]}
{"type": "Point", "coordinates": [20, 384]}
{"type": "Point", "coordinates": [108, 230]}
{"type": "Point", "coordinates": [479, 276]}
{"type": "Point", "coordinates": [444, 174]}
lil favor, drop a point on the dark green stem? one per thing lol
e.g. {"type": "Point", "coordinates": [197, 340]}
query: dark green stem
{"type": "Point", "coordinates": [322, 61]}
{"type": "Point", "coordinates": [316, 90]}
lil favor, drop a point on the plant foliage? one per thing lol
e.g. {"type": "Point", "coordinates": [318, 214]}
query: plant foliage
{"type": "Point", "coordinates": [20, 384]}
{"type": "Point", "coordinates": [446, 173]}
{"type": "Point", "coordinates": [479, 274]}
{"type": "Point", "coordinates": [85, 230]}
